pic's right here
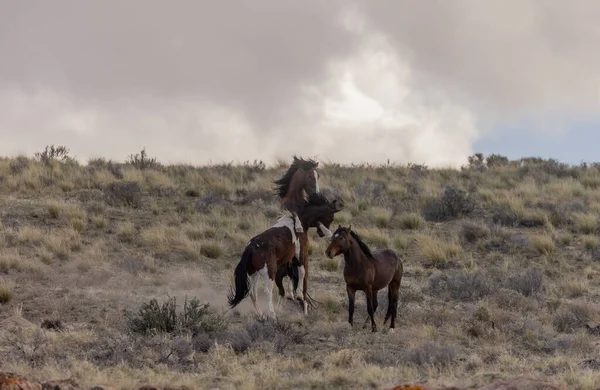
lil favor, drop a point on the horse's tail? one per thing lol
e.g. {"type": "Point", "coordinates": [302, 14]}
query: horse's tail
{"type": "Point", "coordinates": [242, 281]}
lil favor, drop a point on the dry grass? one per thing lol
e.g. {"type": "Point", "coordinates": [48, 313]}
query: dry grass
{"type": "Point", "coordinates": [544, 244]}
{"type": "Point", "coordinates": [500, 282]}
{"type": "Point", "coordinates": [436, 252]}
{"type": "Point", "coordinates": [5, 293]}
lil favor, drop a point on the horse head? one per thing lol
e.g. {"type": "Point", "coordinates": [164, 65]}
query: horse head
{"type": "Point", "coordinates": [340, 242]}
{"type": "Point", "coordinates": [301, 178]}
{"type": "Point", "coordinates": [318, 210]}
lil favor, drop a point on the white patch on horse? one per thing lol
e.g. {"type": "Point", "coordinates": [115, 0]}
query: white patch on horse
{"type": "Point", "coordinates": [291, 291]}
{"type": "Point", "coordinates": [301, 274]}
{"type": "Point", "coordinates": [268, 289]}
{"type": "Point", "coordinates": [325, 231]}
{"type": "Point", "coordinates": [253, 290]}
{"type": "Point", "coordinates": [288, 222]}
{"type": "Point", "coordinates": [316, 182]}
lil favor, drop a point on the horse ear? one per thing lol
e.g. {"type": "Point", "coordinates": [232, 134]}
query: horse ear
{"type": "Point", "coordinates": [350, 228]}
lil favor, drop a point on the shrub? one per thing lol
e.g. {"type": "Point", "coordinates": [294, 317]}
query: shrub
{"type": "Point", "coordinates": [124, 193]}
{"type": "Point", "coordinates": [454, 203]}
{"type": "Point", "coordinates": [529, 282]}
{"type": "Point", "coordinates": [195, 318]}
{"type": "Point", "coordinates": [142, 161]}
{"type": "Point", "coordinates": [212, 250]}
{"type": "Point", "coordinates": [461, 285]}
{"type": "Point", "coordinates": [267, 329]}
{"type": "Point", "coordinates": [496, 160]}
{"type": "Point", "coordinates": [53, 153]}
{"type": "Point", "coordinates": [18, 165]}
{"type": "Point", "coordinates": [431, 354]}
{"type": "Point", "coordinates": [411, 222]}
{"type": "Point", "coordinates": [476, 162]}
{"type": "Point", "coordinates": [472, 231]}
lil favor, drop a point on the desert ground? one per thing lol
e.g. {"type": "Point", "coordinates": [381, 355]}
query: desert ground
{"type": "Point", "coordinates": [501, 275]}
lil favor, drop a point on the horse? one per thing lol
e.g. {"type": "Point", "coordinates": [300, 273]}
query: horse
{"type": "Point", "coordinates": [300, 181]}
{"type": "Point", "coordinates": [276, 245]}
{"type": "Point", "coordinates": [368, 272]}
{"type": "Point", "coordinates": [317, 212]}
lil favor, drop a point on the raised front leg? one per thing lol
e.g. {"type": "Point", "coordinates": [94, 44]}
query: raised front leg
{"type": "Point", "coordinates": [325, 231]}
{"type": "Point", "coordinates": [297, 223]}
{"type": "Point", "coordinates": [351, 293]}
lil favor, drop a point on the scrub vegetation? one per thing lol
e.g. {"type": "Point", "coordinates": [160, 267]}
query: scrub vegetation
{"type": "Point", "coordinates": [118, 272]}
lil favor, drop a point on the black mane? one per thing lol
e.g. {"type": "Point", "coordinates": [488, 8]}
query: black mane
{"type": "Point", "coordinates": [362, 245]}
{"type": "Point", "coordinates": [283, 184]}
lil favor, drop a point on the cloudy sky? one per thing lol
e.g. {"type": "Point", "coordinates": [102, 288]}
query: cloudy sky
{"type": "Point", "coordinates": [201, 81]}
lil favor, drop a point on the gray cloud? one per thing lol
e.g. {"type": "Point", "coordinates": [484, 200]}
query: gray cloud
{"type": "Point", "coordinates": [196, 81]}
{"type": "Point", "coordinates": [251, 56]}
{"type": "Point", "coordinates": [502, 58]}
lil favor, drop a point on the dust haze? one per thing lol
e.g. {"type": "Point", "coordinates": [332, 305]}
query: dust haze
{"type": "Point", "coordinates": [199, 82]}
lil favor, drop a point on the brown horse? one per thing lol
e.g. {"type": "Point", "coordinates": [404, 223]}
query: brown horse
{"type": "Point", "coordinates": [368, 272]}
{"type": "Point", "coordinates": [300, 181]}
{"type": "Point", "coordinates": [276, 245]}
{"type": "Point", "coordinates": [318, 212]}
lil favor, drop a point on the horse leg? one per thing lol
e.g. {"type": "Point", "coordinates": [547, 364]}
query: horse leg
{"type": "Point", "coordinates": [253, 289]}
{"type": "Point", "coordinates": [388, 314]}
{"type": "Point", "coordinates": [325, 231]}
{"type": "Point", "coordinates": [297, 223]}
{"type": "Point", "coordinates": [375, 304]}
{"type": "Point", "coordinates": [264, 272]}
{"type": "Point", "coordinates": [394, 295]}
{"type": "Point", "coordinates": [281, 273]}
{"type": "Point", "coordinates": [302, 275]}
{"type": "Point", "coordinates": [292, 273]}
{"type": "Point", "coordinates": [351, 294]}
{"type": "Point", "coordinates": [369, 295]}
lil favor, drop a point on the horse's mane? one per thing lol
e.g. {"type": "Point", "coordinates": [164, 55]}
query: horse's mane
{"type": "Point", "coordinates": [283, 184]}
{"type": "Point", "coordinates": [362, 245]}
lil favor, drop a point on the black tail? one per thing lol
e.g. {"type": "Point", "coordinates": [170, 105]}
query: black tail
{"type": "Point", "coordinates": [242, 281]}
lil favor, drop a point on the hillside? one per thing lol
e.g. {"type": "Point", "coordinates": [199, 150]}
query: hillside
{"type": "Point", "coordinates": [501, 277]}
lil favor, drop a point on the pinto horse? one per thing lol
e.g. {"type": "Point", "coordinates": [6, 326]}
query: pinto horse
{"type": "Point", "coordinates": [300, 181]}
{"type": "Point", "coordinates": [368, 272]}
{"type": "Point", "coordinates": [318, 212]}
{"type": "Point", "coordinates": [276, 245]}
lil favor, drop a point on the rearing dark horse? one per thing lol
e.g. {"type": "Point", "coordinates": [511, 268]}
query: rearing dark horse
{"type": "Point", "coordinates": [300, 181]}
{"type": "Point", "coordinates": [311, 215]}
